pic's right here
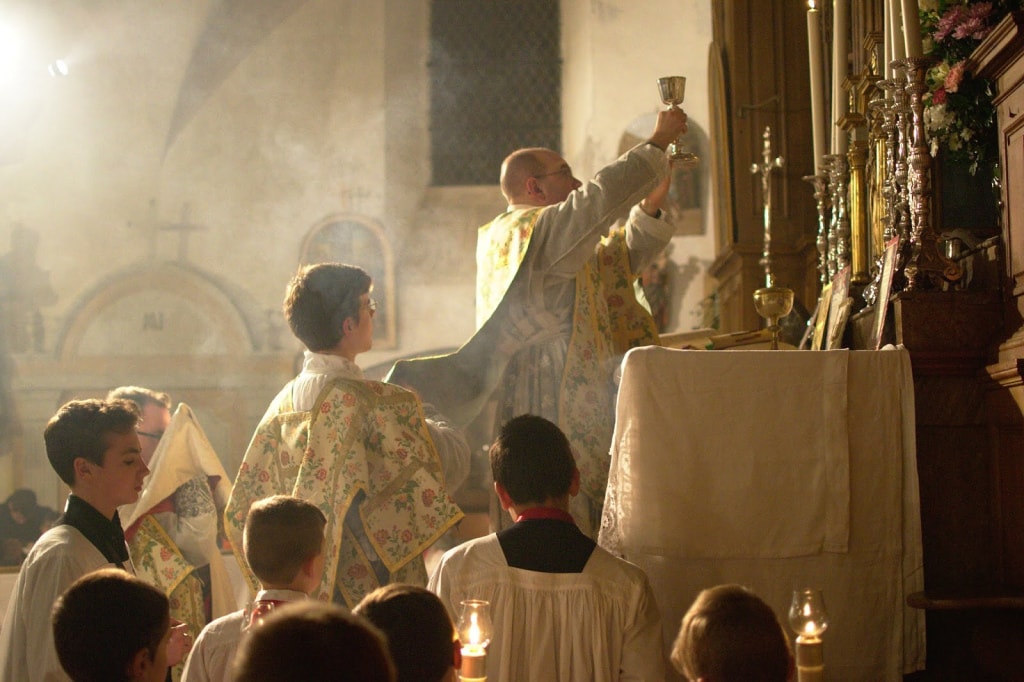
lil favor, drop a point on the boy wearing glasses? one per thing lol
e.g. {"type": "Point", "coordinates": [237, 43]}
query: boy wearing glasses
{"type": "Point", "coordinates": [172, 532]}
{"type": "Point", "coordinates": [363, 451]}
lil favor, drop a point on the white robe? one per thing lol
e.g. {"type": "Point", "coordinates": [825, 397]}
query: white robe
{"type": "Point", "coordinates": [61, 556]}
{"type": "Point", "coordinates": [214, 651]}
{"type": "Point", "coordinates": [600, 625]}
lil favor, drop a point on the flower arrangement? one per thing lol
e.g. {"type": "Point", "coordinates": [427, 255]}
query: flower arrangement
{"type": "Point", "coordinates": [959, 115]}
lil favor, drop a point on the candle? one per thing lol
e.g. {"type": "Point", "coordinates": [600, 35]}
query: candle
{"type": "Point", "coordinates": [912, 28]}
{"type": "Point", "coordinates": [840, 55]}
{"type": "Point", "coordinates": [886, 70]}
{"type": "Point", "coordinates": [817, 68]}
{"type": "Point", "coordinates": [474, 664]}
{"type": "Point", "coordinates": [899, 46]}
{"type": "Point", "coordinates": [475, 631]}
{"type": "Point", "coordinates": [810, 659]}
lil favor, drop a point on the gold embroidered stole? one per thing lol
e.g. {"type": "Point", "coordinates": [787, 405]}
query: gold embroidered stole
{"type": "Point", "coordinates": [500, 248]}
{"type": "Point", "coordinates": [364, 443]}
{"type": "Point", "coordinates": [607, 321]}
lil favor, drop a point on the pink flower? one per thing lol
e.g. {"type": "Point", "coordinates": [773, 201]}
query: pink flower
{"type": "Point", "coordinates": [949, 21]}
{"type": "Point", "coordinates": [939, 96]}
{"type": "Point", "coordinates": [407, 536]}
{"type": "Point", "coordinates": [428, 496]}
{"type": "Point", "coordinates": [954, 78]}
{"type": "Point", "coordinates": [973, 27]}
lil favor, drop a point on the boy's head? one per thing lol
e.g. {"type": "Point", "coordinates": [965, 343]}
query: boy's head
{"type": "Point", "coordinates": [97, 641]}
{"type": "Point", "coordinates": [283, 542]}
{"type": "Point", "coordinates": [419, 631]}
{"type": "Point", "coordinates": [532, 461]}
{"type": "Point", "coordinates": [320, 298]}
{"type": "Point", "coordinates": [730, 635]}
{"type": "Point", "coordinates": [314, 642]}
{"type": "Point", "coordinates": [22, 504]}
{"type": "Point", "coordinates": [86, 429]}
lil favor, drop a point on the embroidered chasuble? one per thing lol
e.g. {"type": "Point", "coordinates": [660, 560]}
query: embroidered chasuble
{"type": "Point", "coordinates": [172, 529]}
{"type": "Point", "coordinates": [607, 321]}
{"type": "Point", "coordinates": [364, 456]}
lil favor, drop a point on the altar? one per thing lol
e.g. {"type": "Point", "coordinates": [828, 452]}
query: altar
{"type": "Point", "coordinates": [776, 470]}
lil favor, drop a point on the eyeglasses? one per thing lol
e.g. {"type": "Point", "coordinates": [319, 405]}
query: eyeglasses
{"type": "Point", "coordinates": [154, 436]}
{"type": "Point", "coordinates": [370, 305]}
{"type": "Point", "coordinates": [564, 171]}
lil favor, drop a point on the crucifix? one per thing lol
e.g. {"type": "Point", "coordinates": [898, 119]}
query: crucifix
{"type": "Point", "coordinates": [183, 227]}
{"type": "Point", "coordinates": [765, 169]}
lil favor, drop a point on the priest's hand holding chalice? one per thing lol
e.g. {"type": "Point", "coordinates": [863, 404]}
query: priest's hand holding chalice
{"type": "Point", "coordinates": [673, 91]}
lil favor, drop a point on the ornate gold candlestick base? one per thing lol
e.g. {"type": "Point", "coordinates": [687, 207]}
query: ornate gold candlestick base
{"type": "Point", "coordinates": [773, 304]}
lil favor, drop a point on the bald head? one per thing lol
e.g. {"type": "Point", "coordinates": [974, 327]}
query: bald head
{"type": "Point", "coordinates": [536, 177]}
{"type": "Point", "coordinates": [517, 168]}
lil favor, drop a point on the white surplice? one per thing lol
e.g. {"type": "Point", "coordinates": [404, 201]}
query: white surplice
{"type": "Point", "coordinates": [214, 650]}
{"type": "Point", "coordinates": [600, 625]}
{"type": "Point", "coordinates": [61, 556]}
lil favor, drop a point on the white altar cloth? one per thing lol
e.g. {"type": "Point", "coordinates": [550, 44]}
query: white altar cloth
{"type": "Point", "coordinates": [776, 470]}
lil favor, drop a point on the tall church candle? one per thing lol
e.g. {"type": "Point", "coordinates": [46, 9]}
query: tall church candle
{"type": "Point", "coordinates": [817, 70]}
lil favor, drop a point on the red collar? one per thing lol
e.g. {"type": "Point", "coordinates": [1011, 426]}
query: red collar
{"type": "Point", "coordinates": [545, 513]}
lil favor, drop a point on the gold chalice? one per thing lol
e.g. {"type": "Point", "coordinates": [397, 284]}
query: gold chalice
{"type": "Point", "coordinates": [773, 304]}
{"type": "Point", "coordinates": [673, 91]}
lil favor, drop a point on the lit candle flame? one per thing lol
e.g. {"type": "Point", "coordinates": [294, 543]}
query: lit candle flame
{"type": "Point", "coordinates": [474, 630]}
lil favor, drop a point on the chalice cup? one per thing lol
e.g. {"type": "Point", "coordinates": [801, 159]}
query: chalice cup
{"type": "Point", "coordinates": [673, 91]}
{"type": "Point", "coordinates": [773, 304]}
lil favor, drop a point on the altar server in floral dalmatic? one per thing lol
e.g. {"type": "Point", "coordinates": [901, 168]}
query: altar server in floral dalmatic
{"type": "Point", "coordinates": [363, 451]}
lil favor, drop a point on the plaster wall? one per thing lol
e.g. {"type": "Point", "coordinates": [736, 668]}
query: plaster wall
{"type": "Point", "coordinates": [184, 135]}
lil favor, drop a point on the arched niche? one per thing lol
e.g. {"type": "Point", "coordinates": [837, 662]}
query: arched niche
{"type": "Point", "coordinates": [358, 240]}
{"type": "Point", "coordinates": [155, 309]}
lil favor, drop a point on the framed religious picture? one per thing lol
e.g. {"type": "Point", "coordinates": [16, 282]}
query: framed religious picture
{"type": "Point", "coordinates": [821, 317]}
{"type": "Point", "coordinates": [892, 247]}
{"type": "Point", "coordinates": [838, 308]}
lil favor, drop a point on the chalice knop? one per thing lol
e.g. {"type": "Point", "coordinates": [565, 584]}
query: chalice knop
{"type": "Point", "coordinates": [673, 91]}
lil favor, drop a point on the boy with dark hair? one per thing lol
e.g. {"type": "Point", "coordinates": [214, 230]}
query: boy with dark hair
{"type": "Point", "coordinates": [420, 633]}
{"type": "Point", "coordinates": [381, 469]}
{"type": "Point", "coordinates": [92, 446]}
{"type": "Point", "coordinates": [729, 634]}
{"type": "Point", "coordinates": [283, 544]}
{"type": "Point", "coordinates": [112, 627]}
{"type": "Point", "coordinates": [563, 609]}
{"type": "Point", "coordinates": [314, 642]}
